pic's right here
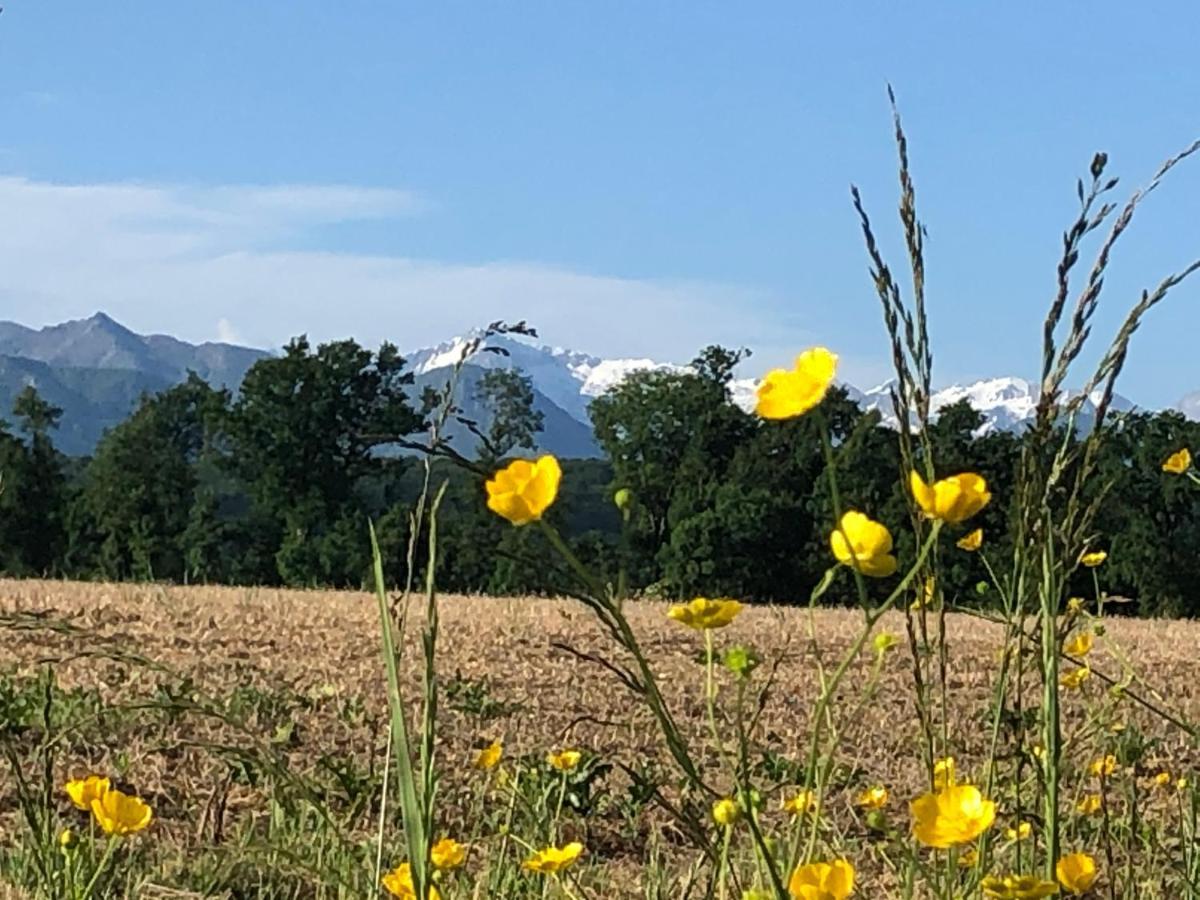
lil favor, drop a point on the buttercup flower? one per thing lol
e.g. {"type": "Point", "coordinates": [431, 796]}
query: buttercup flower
{"type": "Point", "coordinates": [1074, 679]}
{"type": "Point", "coordinates": [1018, 887]}
{"type": "Point", "coordinates": [1076, 873]}
{"type": "Point", "coordinates": [874, 798]}
{"type": "Point", "coordinates": [954, 499]}
{"type": "Point", "coordinates": [703, 613]}
{"type": "Point", "coordinates": [522, 491]}
{"type": "Point", "coordinates": [1093, 559]}
{"type": "Point", "coordinates": [785, 394]}
{"type": "Point", "coordinates": [489, 756]}
{"type": "Point", "coordinates": [943, 773]}
{"type": "Point", "coordinates": [1021, 832]}
{"type": "Point", "coordinates": [1104, 766]}
{"type": "Point", "coordinates": [399, 883]}
{"type": "Point", "coordinates": [1178, 462]}
{"type": "Point", "coordinates": [800, 803]}
{"type": "Point", "coordinates": [971, 542]}
{"type": "Point", "coordinates": [1162, 779]}
{"type": "Point", "coordinates": [553, 859]}
{"type": "Point", "coordinates": [1080, 645]}
{"type": "Point", "coordinates": [1089, 805]}
{"type": "Point", "coordinates": [927, 594]}
{"type": "Point", "coordinates": [884, 641]}
{"type": "Point", "coordinates": [1182, 783]}
{"type": "Point", "coordinates": [726, 811]}
{"type": "Point", "coordinates": [447, 854]}
{"type": "Point", "coordinates": [118, 813]}
{"type": "Point", "coordinates": [564, 760]}
{"type": "Point", "coordinates": [83, 791]}
{"type": "Point", "coordinates": [956, 815]}
{"type": "Point", "coordinates": [864, 544]}
{"type": "Point", "coordinates": [822, 881]}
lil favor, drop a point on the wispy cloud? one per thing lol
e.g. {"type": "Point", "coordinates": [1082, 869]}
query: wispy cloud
{"type": "Point", "coordinates": [178, 259]}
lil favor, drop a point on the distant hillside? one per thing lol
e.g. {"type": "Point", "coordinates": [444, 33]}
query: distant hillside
{"type": "Point", "coordinates": [96, 370]}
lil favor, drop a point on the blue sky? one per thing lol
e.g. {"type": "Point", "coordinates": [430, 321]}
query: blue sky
{"type": "Point", "coordinates": [634, 178]}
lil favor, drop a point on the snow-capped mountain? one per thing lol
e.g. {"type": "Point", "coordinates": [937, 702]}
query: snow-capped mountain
{"type": "Point", "coordinates": [95, 369]}
{"type": "Point", "coordinates": [570, 380]}
{"type": "Point", "coordinates": [1006, 404]}
{"type": "Point", "coordinates": [1190, 405]}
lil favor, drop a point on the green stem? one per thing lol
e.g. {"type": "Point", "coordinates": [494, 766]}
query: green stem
{"type": "Point", "coordinates": [108, 852]}
{"type": "Point", "coordinates": [830, 688]}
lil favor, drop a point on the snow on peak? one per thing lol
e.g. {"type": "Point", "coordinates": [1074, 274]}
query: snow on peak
{"type": "Point", "coordinates": [571, 380]}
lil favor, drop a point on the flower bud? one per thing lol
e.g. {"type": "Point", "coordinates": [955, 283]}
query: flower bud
{"type": "Point", "coordinates": [68, 839]}
{"type": "Point", "coordinates": [877, 820]}
{"type": "Point", "coordinates": [623, 499]}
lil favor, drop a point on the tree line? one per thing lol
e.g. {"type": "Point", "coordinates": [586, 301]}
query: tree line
{"type": "Point", "coordinates": [275, 485]}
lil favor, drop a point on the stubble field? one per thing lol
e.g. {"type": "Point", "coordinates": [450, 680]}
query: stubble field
{"type": "Point", "coordinates": [297, 675]}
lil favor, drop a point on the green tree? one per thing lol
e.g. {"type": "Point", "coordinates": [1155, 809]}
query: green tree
{"type": "Point", "coordinates": [142, 486]}
{"type": "Point", "coordinates": [305, 432]}
{"type": "Point", "coordinates": [507, 394]}
{"type": "Point", "coordinates": [38, 490]}
{"type": "Point", "coordinates": [670, 437]}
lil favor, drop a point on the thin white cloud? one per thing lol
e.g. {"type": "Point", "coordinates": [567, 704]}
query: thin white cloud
{"type": "Point", "coordinates": [175, 259]}
{"type": "Point", "coordinates": [227, 334]}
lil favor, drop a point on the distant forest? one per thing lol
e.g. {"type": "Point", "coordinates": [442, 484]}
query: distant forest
{"type": "Point", "coordinates": [275, 486]}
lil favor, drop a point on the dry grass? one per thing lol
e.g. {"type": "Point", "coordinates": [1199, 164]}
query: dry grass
{"type": "Point", "coordinates": [321, 648]}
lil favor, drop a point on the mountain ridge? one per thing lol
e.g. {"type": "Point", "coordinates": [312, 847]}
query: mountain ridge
{"type": "Point", "coordinates": [96, 369]}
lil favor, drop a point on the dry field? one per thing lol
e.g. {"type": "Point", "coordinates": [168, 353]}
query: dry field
{"type": "Point", "coordinates": [312, 659]}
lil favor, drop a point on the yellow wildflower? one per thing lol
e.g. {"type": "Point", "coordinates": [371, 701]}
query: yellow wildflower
{"type": "Point", "coordinates": [822, 881]}
{"type": "Point", "coordinates": [83, 791]}
{"type": "Point", "coordinates": [447, 854]}
{"type": "Point", "coordinates": [1074, 679]}
{"type": "Point", "coordinates": [68, 840]}
{"type": "Point", "coordinates": [726, 811]}
{"type": "Point", "coordinates": [874, 797]}
{"type": "Point", "coordinates": [564, 760]}
{"type": "Point", "coordinates": [524, 490]}
{"type": "Point", "coordinates": [943, 773]}
{"type": "Point", "coordinates": [1018, 887]}
{"type": "Point", "coordinates": [802, 802]}
{"type": "Point", "coordinates": [787, 393]}
{"type": "Point", "coordinates": [1182, 783]}
{"type": "Point", "coordinates": [884, 641]}
{"type": "Point", "coordinates": [864, 544]}
{"type": "Point", "coordinates": [1162, 779]}
{"type": "Point", "coordinates": [1089, 805]}
{"type": "Point", "coordinates": [399, 883]}
{"type": "Point", "coordinates": [489, 756]}
{"type": "Point", "coordinates": [1021, 832]}
{"type": "Point", "coordinates": [1093, 559]}
{"type": "Point", "coordinates": [1076, 873]}
{"type": "Point", "coordinates": [954, 499]}
{"type": "Point", "coordinates": [928, 592]}
{"type": "Point", "coordinates": [1075, 605]}
{"type": "Point", "coordinates": [956, 815]}
{"type": "Point", "coordinates": [553, 859]}
{"type": "Point", "coordinates": [118, 813]}
{"type": "Point", "coordinates": [971, 542]}
{"type": "Point", "coordinates": [1103, 766]}
{"type": "Point", "coordinates": [703, 613]}
{"type": "Point", "coordinates": [1080, 645]}
{"type": "Point", "coordinates": [1179, 462]}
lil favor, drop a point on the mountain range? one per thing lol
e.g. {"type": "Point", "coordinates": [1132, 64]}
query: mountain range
{"type": "Point", "coordinates": [96, 369]}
